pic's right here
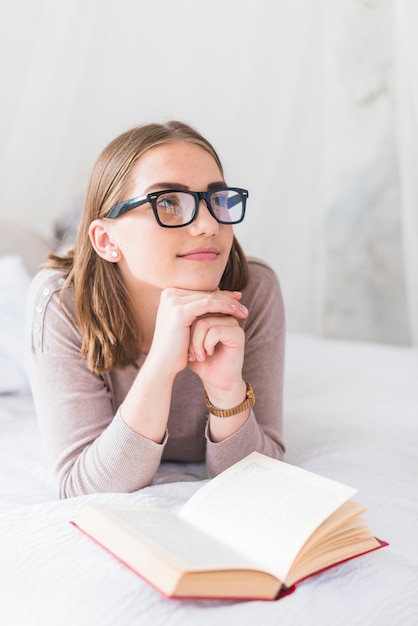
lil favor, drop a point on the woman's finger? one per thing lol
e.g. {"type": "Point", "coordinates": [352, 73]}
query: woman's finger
{"type": "Point", "coordinates": [192, 305]}
{"type": "Point", "coordinates": [206, 333]}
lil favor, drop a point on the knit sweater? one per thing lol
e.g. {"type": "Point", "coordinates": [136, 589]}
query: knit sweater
{"type": "Point", "coordinates": [90, 447]}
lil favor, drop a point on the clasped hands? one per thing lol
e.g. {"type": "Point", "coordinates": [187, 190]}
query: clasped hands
{"type": "Point", "coordinates": [201, 329]}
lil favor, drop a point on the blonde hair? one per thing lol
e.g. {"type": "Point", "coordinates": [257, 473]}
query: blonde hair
{"type": "Point", "coordinates": [102, 305]}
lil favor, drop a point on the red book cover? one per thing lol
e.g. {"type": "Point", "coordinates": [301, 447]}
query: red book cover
{"type": "Point", "coordinates": [284, 591]}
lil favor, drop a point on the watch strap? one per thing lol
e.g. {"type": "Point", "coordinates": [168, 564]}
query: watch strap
{"type": "Point", "coordinates": [247, 403]}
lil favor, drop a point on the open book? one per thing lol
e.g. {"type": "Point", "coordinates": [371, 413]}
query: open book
{"type": "Point", "coordinates": [252, 532]}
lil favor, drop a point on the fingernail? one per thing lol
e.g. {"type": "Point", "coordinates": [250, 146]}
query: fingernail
{"type": "Point", "coordinates": [243, 308]}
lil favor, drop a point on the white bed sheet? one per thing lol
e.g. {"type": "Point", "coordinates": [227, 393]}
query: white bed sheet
{"type": "Point", "coordinates": [351, 413]}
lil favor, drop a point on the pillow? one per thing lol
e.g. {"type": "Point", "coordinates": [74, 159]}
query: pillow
{"type": "Point", "coordinates": [27, 244]}
{"type": "Point", "coordinates": [14, 284]}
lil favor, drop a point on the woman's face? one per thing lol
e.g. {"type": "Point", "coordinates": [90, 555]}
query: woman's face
{"type": "Point", "coordinates": [191, 257]}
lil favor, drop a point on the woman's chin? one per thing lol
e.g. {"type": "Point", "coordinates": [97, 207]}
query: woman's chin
{"type": "Point", "coordinates": [198, 286]}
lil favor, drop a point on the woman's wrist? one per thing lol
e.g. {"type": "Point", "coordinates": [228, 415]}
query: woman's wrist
{"type": "Point", "coordinates": [220, 428]}
{"type": "Point", "coordinates": [225, 403]}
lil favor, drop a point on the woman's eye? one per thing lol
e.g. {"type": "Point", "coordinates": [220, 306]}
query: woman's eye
{"type": "Point", "coordinates": [170, 205]}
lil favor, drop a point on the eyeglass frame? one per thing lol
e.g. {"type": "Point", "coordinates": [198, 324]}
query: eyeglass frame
{"type": "Point", "coordinates": [128, 205]}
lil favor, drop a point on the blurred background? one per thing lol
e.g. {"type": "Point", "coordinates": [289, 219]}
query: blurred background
{"type": "Point", "coordinates": [311, 104]}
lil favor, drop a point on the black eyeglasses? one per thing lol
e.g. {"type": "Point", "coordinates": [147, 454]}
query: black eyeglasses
{"type": "Point", "coordinates": [174, 208]}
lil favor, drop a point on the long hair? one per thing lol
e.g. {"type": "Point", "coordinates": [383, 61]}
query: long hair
{"type": "Point", "coordinates": [103, 311]}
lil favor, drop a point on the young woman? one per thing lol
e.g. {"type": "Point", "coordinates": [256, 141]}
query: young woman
{"type": "Point", "coordinates": [155, 338]}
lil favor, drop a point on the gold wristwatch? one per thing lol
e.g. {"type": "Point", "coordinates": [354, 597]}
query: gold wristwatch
{"type": "Point", "coordinates": [248, 402]}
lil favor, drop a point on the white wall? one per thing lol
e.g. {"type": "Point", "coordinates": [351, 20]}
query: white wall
{"type": "Point", "coordinates": [296, 95]}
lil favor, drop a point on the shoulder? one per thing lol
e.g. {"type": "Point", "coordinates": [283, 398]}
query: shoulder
{"type": "Point", "coordinates": [262, 277]}
{"type": "Point", "coordinates": [263, 298]}
{"type": "Point", "coordinates": [46, 286]}
{"type": "Point", "coordinates": [50, 280]}
{"type": "Point", "coordinates": [260, 266]}
{"type": "Point", "coordinates": [48, 307]}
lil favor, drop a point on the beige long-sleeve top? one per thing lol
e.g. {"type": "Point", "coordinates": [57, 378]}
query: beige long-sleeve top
{"type": "Point", "coordinates": [91, 448]}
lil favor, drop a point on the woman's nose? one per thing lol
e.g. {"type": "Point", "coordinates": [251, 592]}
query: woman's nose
{"type": "Point", "coordinates": [204, 223]}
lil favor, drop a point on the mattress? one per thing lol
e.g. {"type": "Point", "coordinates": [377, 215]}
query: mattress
{"type": "Point", "coordinates": [351, 413]}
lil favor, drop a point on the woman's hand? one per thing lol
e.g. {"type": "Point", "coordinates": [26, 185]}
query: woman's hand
{"type": "Point", "coordinates": [199, 328]}
{"type": "Point", "coordinates": [216, 355]}
{"type": "Point", "coordinates": [216, 351]}
{"type": "Point", "coordinates": [196, 328]}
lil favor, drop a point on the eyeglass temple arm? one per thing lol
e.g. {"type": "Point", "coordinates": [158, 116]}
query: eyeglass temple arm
{"type": "Point", "coordinates": [124, 207]}
{"type": "Point", "coordinates": [237, 199]}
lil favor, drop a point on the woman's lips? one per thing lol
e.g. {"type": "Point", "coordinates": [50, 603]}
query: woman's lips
{"type": "Point", "coordinates": [201, 254]}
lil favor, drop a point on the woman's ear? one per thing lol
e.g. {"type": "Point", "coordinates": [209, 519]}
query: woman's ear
{"type": "Point", "coordinates": [102, 242]}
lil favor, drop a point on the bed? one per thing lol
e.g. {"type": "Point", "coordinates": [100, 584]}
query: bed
{"type": "Point", "coordinates": [351, 413]}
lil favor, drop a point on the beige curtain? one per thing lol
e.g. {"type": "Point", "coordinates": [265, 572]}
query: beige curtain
{"type": "Point", "coordinates": [406, 57]}
{"type": "Point", "coordinates": [298, 96]}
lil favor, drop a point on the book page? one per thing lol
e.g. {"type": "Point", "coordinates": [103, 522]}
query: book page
{"type": "Point", "coordinates": [180, 543]}
{"type": "Point", "coordinates": [265, 509]}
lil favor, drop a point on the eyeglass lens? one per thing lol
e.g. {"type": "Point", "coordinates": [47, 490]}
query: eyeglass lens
{"type": "Point", "coordinates": [176, 208]}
